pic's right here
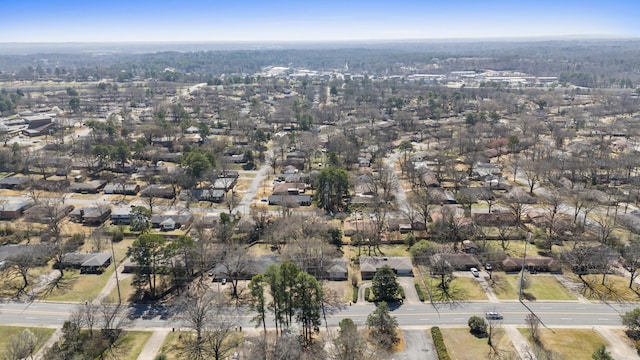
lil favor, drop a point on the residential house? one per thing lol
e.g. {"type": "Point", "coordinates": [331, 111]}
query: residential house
{"type": "Point", "coordinates": [91, 187]}
{"type": "Point", "coordinates": [46, 213]}
{"type": "Point", "coordinates": [401, 265]}
{"type": "Point", "coordinates": [339, 271]}
{"type": "Point", "coordinates": [289, 189]}
{"type": "Point", "coordinates": [481, 170]}
{"type": "Point", "coordinates": [121, 216]}
{"type": "Point", "coordinates": [93, 215]}
{"type": "Point", "coordinates": [14, 182]}
{"type": "Point", "coordinates": [287, 200]}
{"type": "Point", "coordinates": [122, 188]}
{"type": "Point", "coordinates": [13, 209]}
{"type": "Point", "coordinates": [216, 196]}
{"type": "Point", "coordinates": [429, 179]}
{"type": "Point", "coordinates": [40, 253]}
{"type": "Point", "coordinates": [494, 219]}
{"type": "Point", "coordinates": [475, 194]}
{"type": "Point", "coordinates": [354, 225]}
{"type": "Point", "coordinates": [224, 184]}
{"type": "Point", "coordinates": [255, 266]}
{"type": "Point", "coordinates": [470, 247]}
{"type": "Point", "coordinates": [88, 263]}
{"type": "Point", "coordinates": [455, 261]}
{"type": "Point", "coordinates": [168, 222]}
{"type": "Point", "coordinates": [158, 191]}
{"type": "Point", "coordinates": [531, 263]}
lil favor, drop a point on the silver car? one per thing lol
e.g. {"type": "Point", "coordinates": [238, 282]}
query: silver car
{"type": "Point", "coordinates": [492, 315]}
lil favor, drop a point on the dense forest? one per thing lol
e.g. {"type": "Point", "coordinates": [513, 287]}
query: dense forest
{"type": "Point", "coordinates": [581, 63]}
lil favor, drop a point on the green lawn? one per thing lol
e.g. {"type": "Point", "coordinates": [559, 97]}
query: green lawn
{"type": "Point", "coordinates": [8, 332]}
{"type": "Point", "coordinates": [130, 344]}
{"type": "Point", "coordinates": [126, 291]}
{"type": "Point", "coordinates": [615, 288]}
{"type": "Point", "coordinates": [461, 288]}
{"type": "Point", "coordinates": [172, 344]}
{"type": "Point", "coordinates": [542, 287]}
{"type": "Point", "coordinates": [462, 345]}
{"type": "Point", "coordinates": [569, 343]}
{"type": "Point", "coordinates": [394, 250]}
{"type": "Point", "coordinates": [77, 287]}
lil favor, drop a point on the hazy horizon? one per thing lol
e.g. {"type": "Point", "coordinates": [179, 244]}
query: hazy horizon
{"type": "Point", "coordinates": [287, 21]}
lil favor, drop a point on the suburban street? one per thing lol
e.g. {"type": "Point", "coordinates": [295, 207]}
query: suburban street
{"type": "Point", "coordinates": [552, 314]}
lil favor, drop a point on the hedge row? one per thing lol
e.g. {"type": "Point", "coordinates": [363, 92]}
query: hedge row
{"type": "Point", "coordinates": [367, 294]}
{"type": "Point", "coordinates": [419, 291]}
{"type": "Point", "coordinates": [438, 341]}
{"type": "Point", "coordinates": [354, 297]}
{"type": "Point", "coordinates": [401, 292]}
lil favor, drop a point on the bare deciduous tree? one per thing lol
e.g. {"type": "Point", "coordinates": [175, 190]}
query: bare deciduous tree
{"type": "Point", "coordinates": [213, 323]}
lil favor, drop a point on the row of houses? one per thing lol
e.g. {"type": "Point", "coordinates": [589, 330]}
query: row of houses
{"type": "Point", "coordinates": [220, 186]}
{"type": "Point", "coordinates": [337, 270]}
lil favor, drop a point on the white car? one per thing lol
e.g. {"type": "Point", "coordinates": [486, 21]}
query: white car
{"type": "Point", "coordinates": [474, 272]}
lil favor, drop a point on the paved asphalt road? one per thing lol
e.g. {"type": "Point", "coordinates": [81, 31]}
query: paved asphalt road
{"type": "Point", "coordinates": [552, 314]}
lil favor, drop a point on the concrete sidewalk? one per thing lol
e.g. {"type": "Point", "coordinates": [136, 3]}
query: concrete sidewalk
{"type": "Point", "coordinates": [519, 342]}
{"type": "Point", "coordinates": [153, 345]}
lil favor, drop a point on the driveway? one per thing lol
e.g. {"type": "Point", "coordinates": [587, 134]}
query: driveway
{"type": "Point", "coordinates": [418, 346]}
{"type": "Point", "coordinates": [411, 295]}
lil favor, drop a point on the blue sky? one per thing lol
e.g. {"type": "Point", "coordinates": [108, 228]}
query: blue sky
{"type": "Point", "coordinates": [311, 20]}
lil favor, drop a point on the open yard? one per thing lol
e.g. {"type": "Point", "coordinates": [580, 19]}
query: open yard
{"type": "Point", "coordinates": [462, 345]}
{"type": "Point", "coordinates": [130, 344]}
{"type": "Point", "coordinates": [173, 346]}
{"type": "Point", "coordinates": [77, 287]}
{"type": "Point", "coordinates": [9, 332]}
{"type": "Point", "coordinates": [541, 287]}
{"type": "Point", "coordinates": [615, 288]}
{"type": "Point", "coordinates": [80, 287]}
{"type": "Point", "coordinates": [127, 290]}
{"type": "Point", "coordinates": [460, 288]}
{"type": "Point", "coordinates": [568, 343]}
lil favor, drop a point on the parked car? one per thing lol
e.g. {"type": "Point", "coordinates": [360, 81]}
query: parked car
{"type": "Point", "coordinates": [492, 315]}
{"type": "Point", "coordinates": [224, 281]}
{"type": "Point", "coordinates": [475, 272]}
{"type": "Point", "coordinates": [488, 267]}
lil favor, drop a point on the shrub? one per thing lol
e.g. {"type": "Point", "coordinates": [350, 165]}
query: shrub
{"type": "Point", "coordinates": [477, 325]}
{"type": "Point", "coordinates": [438, 341]}
{"type": "Point", "coordinates": [367, 294]}
{"type": "Point", "coordinates": [117, 235]}
{"type": "Point", "coordinates": [419, 291]}
{"type": "Point", "coordinates": [76, 241]}
{"type": "Point", "coordinates": [401, 293]}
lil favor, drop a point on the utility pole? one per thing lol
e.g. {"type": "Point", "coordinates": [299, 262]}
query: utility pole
{"type": "Point", "coordinates": [524, 259]}
{"type": "Point", "coordinates": [115, 266]}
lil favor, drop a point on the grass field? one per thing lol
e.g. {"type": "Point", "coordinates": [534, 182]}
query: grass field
{"type": "Point", "coordinates": [80, 287]}
{"type": "Point", "coordinates": [542, 287]}
{"type": "Point", "coordinates": [8, 332]}
{"type": "Point", "coordinates": [126, 291]}
{"type": "Point", "coordinates": [462, 345]}
{"type": "Point", "coordinates": [615, 288]}
{"type": "Point", "coordinates": [460, 288]}
{"type": "Point", "coordinates": [77, 287]}
{"type": "Point", "coordinates": [130, 344]}
{"type": "Point", "coordinates": [172, 346]}
{"type": "Point", "coordinates": [568, 343]}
